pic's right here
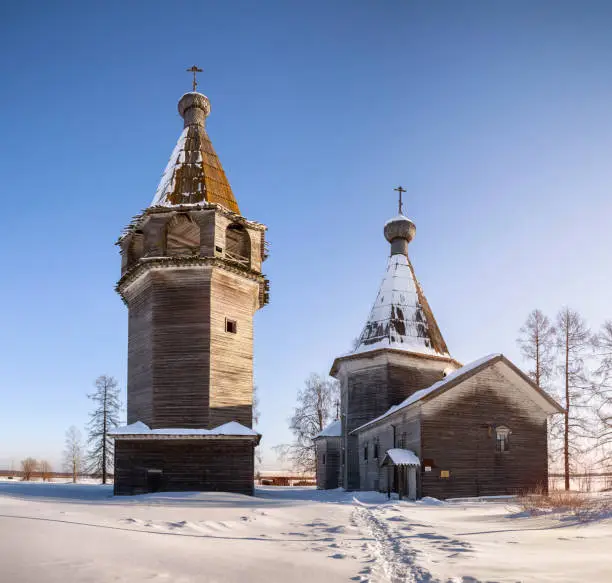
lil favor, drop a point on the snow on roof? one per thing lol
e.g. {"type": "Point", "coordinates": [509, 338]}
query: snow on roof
{"type": "Point", "coordinates": [418, 395]}
{"type": "Point", "coordinates": [233, 428]}
{"type": "Point", "coordinates": [400, 317]}
{"type": "Point", "coordinates": [397, 218]}
{"type": "Point", "coordinates": [166, 184]}
{"type": "Point", "coordinates": [334, 429]}
{"type": "Point", "coordinates": [194, 173]}
{"type": "Point", "coordinates": [403, 457]}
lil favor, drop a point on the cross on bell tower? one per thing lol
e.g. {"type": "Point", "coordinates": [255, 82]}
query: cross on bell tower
{"type": "Point", "coordinates": [400, 190]}
{"type": "Point", "coordinates": [195, 70]}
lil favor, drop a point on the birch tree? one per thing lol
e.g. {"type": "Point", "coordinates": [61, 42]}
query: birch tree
{"type": "Point", "coordinates": [316, 407]}
{"type": "Point", "coordinates": [104, 417]}
{"type": "Point", "coordinates": [73, 452]}
{"type": "Point", "coordinates": [572, 340]}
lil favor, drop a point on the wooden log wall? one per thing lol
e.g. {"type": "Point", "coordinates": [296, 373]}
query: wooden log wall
{"type": "Point", "coordinates": [186, 465]}
{"type": "Point", "coordinates": [328, 473]}
{"type": "Point", "coordinates": [458, 436]}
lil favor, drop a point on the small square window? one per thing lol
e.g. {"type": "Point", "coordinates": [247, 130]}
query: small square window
{"type": "Point", "coordinates": [231, 326]}
{"type": "Point", "coordinates": [219, 249]}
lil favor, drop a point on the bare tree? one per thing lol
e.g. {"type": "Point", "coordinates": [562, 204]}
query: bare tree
{"type": "Point", "coordinates": [45, 469]}
{"type": "Point", "coordinates": [317, 405]}
{"type": "Point", "coordinates": [104, 417]}
{"type": "Point", "coordinates": [537, 342]}
{"type": "Point", "coordinates": [602, 343]}
{"type": "Point", "coordinates": [573, 339]}
{"type": "Point", "coordinates": [73, 452]}
{"type": "Point", "coordinates": [256, 410]}
{"type": "Point", "coordinates": [256, 418]}
{"type": "Point", "coordinates": [28, 466]}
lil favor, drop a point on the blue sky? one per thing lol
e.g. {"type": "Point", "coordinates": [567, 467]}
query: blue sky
{"type": "Point", "coordinates": [496, 116]}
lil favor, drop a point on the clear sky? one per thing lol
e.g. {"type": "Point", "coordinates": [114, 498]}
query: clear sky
{"type": "Point", "coordinates": [496, 116]}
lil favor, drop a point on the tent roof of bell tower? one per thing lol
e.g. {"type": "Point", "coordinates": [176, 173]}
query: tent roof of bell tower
{"type": "Point", "coordinates": [194, 174]}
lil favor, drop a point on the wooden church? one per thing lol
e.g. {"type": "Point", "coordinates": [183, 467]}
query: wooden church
{"type": "Point", "coordinates": [191, 279]}
{"type": "Point", "coordinates": [414, 420]}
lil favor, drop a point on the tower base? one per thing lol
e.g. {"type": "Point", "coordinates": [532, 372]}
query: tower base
{"type": "Point", "coordinates": [178, 465]}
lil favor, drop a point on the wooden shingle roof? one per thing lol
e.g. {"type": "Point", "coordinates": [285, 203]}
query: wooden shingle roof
{"type": "Point", "coordinates": [194, 173]}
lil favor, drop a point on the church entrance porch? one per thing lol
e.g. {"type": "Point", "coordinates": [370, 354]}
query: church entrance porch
{"type": "Point", "coordinates": [173, 465]}
{"type": "Point", "coordinates": [402, 466]}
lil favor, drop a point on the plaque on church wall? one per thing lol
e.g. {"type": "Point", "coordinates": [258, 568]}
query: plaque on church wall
{"type": "Point", "coordinates": [445, 473]}
{"type": "Point", "coordinates": [428, 468]}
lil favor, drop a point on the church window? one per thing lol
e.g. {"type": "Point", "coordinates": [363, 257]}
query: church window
{"type": "Point", "coordinates": [402, 441]}
{"type": "Point", "coordinates": [231, 326]}
{"type": "Point", "coordinates": [365, 452]}
{"type": "Point", "coordinates": [376, 450]}
{"type": "Point", "coordinates": [323, 459]}
{"type": "Point", "coordinates": [502, 438]}
{"type": "Point", "coordinates": [237, 244]}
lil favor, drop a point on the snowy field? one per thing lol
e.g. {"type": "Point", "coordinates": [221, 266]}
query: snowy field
{"type": "Point", "coordinates": [81, 533]}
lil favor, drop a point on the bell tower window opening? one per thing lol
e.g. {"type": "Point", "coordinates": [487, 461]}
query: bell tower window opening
{"type": "Point", "coordinates": [238, 244]}
{"type": "Point", "coordinates": [182, 236]}
{"type": "Point", "coordinates": [231, 326]}
{"type": "Point", "coordinates": [502, 438]}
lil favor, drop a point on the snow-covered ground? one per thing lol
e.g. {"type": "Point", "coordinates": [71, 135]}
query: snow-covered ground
{"type": "Point", "coordinates": [65, 532]}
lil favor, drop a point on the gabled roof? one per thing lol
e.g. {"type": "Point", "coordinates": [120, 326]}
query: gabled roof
{"type": "Point", "coordinates": [194, 174]}
{"type": "Point", "coordinates": [334, 429]}
{"type": "Point", "coordinates": [457, 377]}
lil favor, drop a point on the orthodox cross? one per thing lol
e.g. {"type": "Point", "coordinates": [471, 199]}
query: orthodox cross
{"type": "Point", "coordinates": [400, 190]}
{"type": "Point", "coordinates": [194, 70]}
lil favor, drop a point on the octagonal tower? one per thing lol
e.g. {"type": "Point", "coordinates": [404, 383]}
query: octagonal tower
{"type": "Point", "coordinates": [192, 281]}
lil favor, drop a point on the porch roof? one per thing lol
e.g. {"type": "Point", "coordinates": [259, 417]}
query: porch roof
{"type": "Point", "coordinates": [401, 457]}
